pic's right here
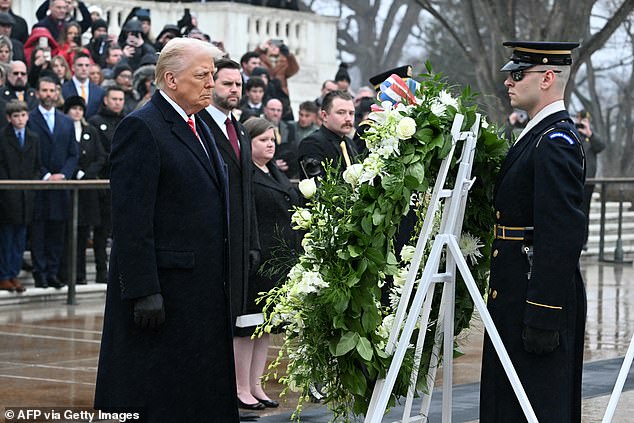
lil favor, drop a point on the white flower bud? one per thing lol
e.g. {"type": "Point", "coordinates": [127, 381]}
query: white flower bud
{"type": "Point", "coordinates": [352, 174]}
{"type": "Point", "coordinates": [308, 187]}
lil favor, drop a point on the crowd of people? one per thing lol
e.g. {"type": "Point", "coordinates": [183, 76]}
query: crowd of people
{"type": "Point", "coordinates": [98, 78]}
{"type": "Point", "coordinates": [200, 151]}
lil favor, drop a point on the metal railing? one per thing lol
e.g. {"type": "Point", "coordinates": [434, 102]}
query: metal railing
{"type": "Point", "coordinates": [605, 183]}
{"type": "Point", "coordinates": [74, 187]}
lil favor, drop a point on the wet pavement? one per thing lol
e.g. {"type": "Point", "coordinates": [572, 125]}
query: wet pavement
{"type": "Point", "coordinates": [49, 350]}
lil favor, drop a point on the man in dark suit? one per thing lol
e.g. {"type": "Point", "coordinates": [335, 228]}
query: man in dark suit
{"type": "Point", "coordinates": [536, 294]}
{"type": "Point", "coordinates": [59, 156]}
{"type": "Point", "coordinates": [235, 147]}
{"type": "Point", "coordinates": [81, 85]}
{"type": "Point", "coordinates": [325, 144]}
{"type": "Point", "coordinates": [167, 328]}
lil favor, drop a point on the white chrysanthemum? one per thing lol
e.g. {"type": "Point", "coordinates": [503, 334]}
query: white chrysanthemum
{"type": "Point", "coordinates": [470, 246]}
{"type": "Point", "coordinates": [407, 253]}
{"type": "Point", "coordinates": [401, 277]}
{"type": "Point", "coordinates": [308, 187]}
{"type": "Point", "coordinates": [447, 99]}
{"type": "Point", "coordinates": [406, 128]}
{"type": "Point", "coordinates": [301, 219]}
{"type": "Point", "coordinates": [438, 108]}
{"type": "Point", "coordinates": [352, 174]}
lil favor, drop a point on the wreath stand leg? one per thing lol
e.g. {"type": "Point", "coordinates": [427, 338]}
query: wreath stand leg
{"type": "Point", "coordinates": [446, 242]}
{"type": "Point", "coordinates": [620, 381]}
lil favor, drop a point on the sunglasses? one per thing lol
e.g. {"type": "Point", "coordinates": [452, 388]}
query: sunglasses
{"type": "Point", "coordinates": [518, 75]}
{"type": "Point", "coordinates": [16, 73]}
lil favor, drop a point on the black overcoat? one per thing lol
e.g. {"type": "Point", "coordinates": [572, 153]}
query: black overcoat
{"type": "Point", "coordinates": [275, 198]}
{"type": "Point", "coordinates": [59, 153]}
{"type": "Point", "coordinates": [16, 207]}
{"type": "Point", "coordinates": [323, 145]}
{"type": "Point", "coordinates": [92, 159]}
{"type": "Point", "coordinates": [243, 234]}
{"type": "Point", "coordinates": [541, 186]}
{"type": "Point", "coordinates": [170, 228]}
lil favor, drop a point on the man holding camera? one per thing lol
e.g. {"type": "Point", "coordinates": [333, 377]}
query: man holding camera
{"type": "Point", "coordinates": [281, 64]}
{"type": "Point", "coordinates": [592, 146]}
{"type": "Point", "coordinates": [134, 45]}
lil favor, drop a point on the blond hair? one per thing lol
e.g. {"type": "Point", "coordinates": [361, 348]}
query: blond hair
{"type": "Point", "coordinates": [175, 57]}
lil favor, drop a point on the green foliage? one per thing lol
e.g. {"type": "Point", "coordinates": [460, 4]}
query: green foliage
{"type": "Point", "coordinates": [329, 306]}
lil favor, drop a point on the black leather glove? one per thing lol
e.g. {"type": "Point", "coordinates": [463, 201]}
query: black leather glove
{"type": "Point", "coordinates": [149, 312]}
{"type": "Point", "coordinates": [284, 50]}
{"type": "Point", "coordinates": [254, 261]}
{"type": "Point", "coordinates": [540, 341]}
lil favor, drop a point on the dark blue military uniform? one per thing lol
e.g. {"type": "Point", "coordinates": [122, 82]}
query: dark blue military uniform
{"type": "Point", "coordinates": [540, 186]}
{"type": "Point", "coordinates": [536, 295]}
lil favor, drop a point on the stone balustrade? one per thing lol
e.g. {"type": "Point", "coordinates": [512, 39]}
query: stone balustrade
{"type": "Point", "coordinates": [241, 27]}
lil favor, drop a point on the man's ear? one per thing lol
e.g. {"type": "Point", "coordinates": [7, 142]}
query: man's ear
{"type": "Point", "coordinates": [170, 80]}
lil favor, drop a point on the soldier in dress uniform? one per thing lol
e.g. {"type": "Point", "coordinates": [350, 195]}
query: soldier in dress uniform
{"type": "Point", "coordinates": [536, 296]}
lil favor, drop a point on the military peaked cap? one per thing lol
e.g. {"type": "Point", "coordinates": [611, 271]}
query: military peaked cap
{"type": "Point", "coordinates": [527, 54]}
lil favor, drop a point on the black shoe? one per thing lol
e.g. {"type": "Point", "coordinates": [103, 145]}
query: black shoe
{"type": "Point", "coordinates": [54, 282]}
{"type": "Point", "coordinates": [81, 282]}
{"type": "Point", "coordinates": [39, 280]}
{"type": "Point", "coordinates": [248, 417]}
{"type": "Point", "coordinates": [255, 406]}
{"type": "Point", "coordinates": [268, 403]}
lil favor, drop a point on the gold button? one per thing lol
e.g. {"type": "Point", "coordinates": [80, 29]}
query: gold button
{"type": "Point", "coordinates": [495, 253]}
{"type": "Point", "coordinates": [497, 215]}
{"type": "Point", "coordinates": [494, 294]}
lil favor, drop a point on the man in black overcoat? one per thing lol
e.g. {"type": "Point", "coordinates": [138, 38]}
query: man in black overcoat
{"type": "Point", "coordinates": [243, 234]}
{"type": "Point", "coordinates": [166, 345]}
{"type": "Point", "coordinates": [324, 145]}
{"type": "Point", "coordinates": [536, 295]}
{"type": "Point", "coordinates": [106, 121]}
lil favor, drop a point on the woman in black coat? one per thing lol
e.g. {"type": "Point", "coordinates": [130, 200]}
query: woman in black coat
{"type": "Point", "coordinates": [92, 158]}
{"type": "Point", "coordinates": [275, 197]}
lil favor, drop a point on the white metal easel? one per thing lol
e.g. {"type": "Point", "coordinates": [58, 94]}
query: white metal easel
{"type": "Point", "coordinates": [446, 241]}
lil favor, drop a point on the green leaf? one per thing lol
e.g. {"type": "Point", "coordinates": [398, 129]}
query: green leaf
{"type": "Point", "coordinates": [417, 171]}
{"type": "Point", "coordinates": [375, 256]}
{"type": "Point", "coordinates": [355, 250]}
{"type": "Point", "coordinates": [347, 342]}
{"type": "Point", "coordinates": [338, 322]}
{"type": "Point", "coordinates": [366, 225]}
{"type": "Point", "coordinates": [377, 217]}
{"type": "Point", "coordinates": [364, 348]}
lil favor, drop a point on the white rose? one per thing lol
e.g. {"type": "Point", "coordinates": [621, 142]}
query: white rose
{"type": "Point", "coordinates": [406, 128]}
{"type": "Point", "coordinates": [352, 174]}
{"type": "Point", "coordinates": [308, 187]}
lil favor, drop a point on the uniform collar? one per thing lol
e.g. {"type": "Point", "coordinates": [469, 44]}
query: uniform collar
{"type": "Point", "coordinates": [552, 108]}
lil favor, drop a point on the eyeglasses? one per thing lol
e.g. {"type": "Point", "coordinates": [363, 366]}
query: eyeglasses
{"type": "Point", "coordinates": [518, 75]}
{"type": "Point", "coordinates": [16, 73]}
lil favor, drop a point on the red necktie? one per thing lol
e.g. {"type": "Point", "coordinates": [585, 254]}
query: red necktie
{"type": "Point", "coordinates": [192, 126]}
{"type": "Point", "coordinates": [233, 137]}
